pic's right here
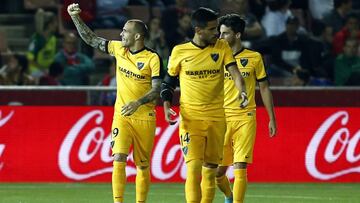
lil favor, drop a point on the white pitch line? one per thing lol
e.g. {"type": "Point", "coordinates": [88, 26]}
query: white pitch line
{"type": "Point", "coordinates": [293, 197]}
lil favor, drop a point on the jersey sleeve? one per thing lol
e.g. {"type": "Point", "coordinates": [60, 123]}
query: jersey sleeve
{"type": "Point", "coordinates": [156, 66]}
{"type": "Point", "coordinates": [228, 56]}
{"type": "Point", "coordinates": [112, 46]}
{"type": "Point", "coordinates": [260, 70]}
{"type": "Point", "coordinates": [174, 62]}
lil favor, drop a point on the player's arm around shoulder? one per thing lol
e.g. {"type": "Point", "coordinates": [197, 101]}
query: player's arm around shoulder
{"type": "Point", "coordinates": [84, 31]}
{"type": "Point", "coordinates": [267, 99]}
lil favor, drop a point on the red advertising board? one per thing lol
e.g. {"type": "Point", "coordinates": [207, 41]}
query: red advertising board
{"type": "Point", "coordinates": [64, 144]}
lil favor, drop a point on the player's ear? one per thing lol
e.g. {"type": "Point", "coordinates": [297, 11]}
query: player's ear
{"type": "Point", "coordinates": [238, 35]}
{"type": "Point", "coordinates": [137, 36]}
{"type": "Point", "coordinates": [198, 30]}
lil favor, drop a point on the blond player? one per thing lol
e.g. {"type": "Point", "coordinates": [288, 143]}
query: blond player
{"type": "Point", "coordinates": [241, 122]}
{"type": "Point", "coordinates": [199, 65]}
{"type": "Point", "coordinates": [138, 86]}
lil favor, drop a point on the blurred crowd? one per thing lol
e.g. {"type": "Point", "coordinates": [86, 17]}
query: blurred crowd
{"type": "Point", "coordinates": [303, 42]}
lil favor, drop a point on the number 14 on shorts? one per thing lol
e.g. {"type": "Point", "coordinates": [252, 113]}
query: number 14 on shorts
{"type": "Point", "coordinates": [184, 139]}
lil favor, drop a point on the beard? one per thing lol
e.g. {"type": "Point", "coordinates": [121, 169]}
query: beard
{"type": "Point", "coordinates": [211, 41]}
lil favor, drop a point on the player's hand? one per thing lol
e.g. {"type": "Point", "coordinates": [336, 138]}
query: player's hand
{"type": "Point", "coordinates": [169, 113]}
{"type": "Point", "coordinates": [73, 9]}
{"type": "Point", "coordinates": [244, 100]}
{"type": "Point", "coordinates": [130, 108]}
{"type": "Point", "coordinates": [272, 128]}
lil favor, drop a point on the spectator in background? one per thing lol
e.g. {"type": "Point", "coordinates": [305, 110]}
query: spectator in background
{"type": "Point", "coordinates": [77, 66]}
{"type": "Point", "coordinates": [54, 76]}
{"type": "Point", "coordinates": [43, 43]}
{"type": "Point", "coordinates": [14, 72]}
{"type": "Point", "coordinates": [318, 8]}
{"type": "Point", "coordinates": [110, 13]}
{"type": "Point", "coordinates": [289, 51]}
{"type": "Point", "coordinates": [253, 29]}
{"type": "Point", "coordinates": [303, 78]}
{"type": "Point", "coordinates": [321, 49]}
{"type": "Point", "coordinates": [300, 78]}
{"type": "Point", "coordinates": [347, 65]}
{"type": "Point", "coordinates": [212, 4]}
{"type": "Point", "coordinates": [88, 11]}
{"type": "Point", "coordinates": [170, 20]}
{"type": "Point", "coordinates": [336, 17]}
{"type": "Point", "coordinates": [275, 17]}
{"type": "Point", "coordinates": [181, 33]}
{"type": "Point", "coordinates": [109, 98]}
{"type": "Point", "coordinates": [350, 30]}
{"type": "Point", "coordinates": [258, 7]}
{"type": "Point", "coordinates": [156, 39]}
{"type": "Point", "coordinates": [149, 3]}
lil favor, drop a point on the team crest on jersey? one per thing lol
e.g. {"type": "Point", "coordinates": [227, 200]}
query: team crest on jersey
{"type": "Point", "coordinates": [140, 65]}
{"type": "Point", "coordinates": [215, 57]}
{"type": "Point", "coordinates": [244, 62]}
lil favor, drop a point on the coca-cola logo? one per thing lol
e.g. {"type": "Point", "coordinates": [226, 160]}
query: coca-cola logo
{"type": "Point", "coordinates": [2, 148]}
{"type": "Point", "coordinates": [85, 154]}
{"type": "Point", "coordinates": [96, 143]}
{"type": "Point", "coordinates": [3, 121]}
{"type": "Point", "coordinates": [341, 144]}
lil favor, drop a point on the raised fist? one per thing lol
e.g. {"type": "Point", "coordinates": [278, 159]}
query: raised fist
{"type": "Point", "coordinates": [73, 9]}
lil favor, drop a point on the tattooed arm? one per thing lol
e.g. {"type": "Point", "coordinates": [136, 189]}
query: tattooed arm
{"type": "Point", "coordinates": [150, 96]}
{"type": "Point", "coordinates": [85, 32]}
{"type": "Point", "coordinates": [153, 93]}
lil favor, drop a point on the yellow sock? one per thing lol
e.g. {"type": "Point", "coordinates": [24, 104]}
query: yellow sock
{"type": "Point", "coordinates": [118, 181]}
{"type": "Point", "coordinates": [240, 184]}
{"type": "Point", "coordinates": [192, 183]}
{"type": "Point", "coordinates": [208, 184]}
{"type": "Point", "coordinates": [142, 184]}
{"type": "Point", "coordinates": [223, 184]}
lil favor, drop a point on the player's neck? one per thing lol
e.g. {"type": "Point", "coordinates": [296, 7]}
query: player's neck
{"type": "Point", "coordinates": [136, 47]}
{"type": "Point", "coordinates": [200, 43]}
{"type": "Point", "coordinates": [237, 47]}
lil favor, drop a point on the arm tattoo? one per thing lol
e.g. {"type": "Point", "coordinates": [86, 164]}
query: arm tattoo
{"type": "Point", "coordinates": [153, 94]}
{"type": "Point", "coordinates": [88, 35]}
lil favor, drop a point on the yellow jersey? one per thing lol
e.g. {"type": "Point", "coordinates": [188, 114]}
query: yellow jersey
{"type": "Point", "coordinates": [252, 69]}
{"type": "Point", "coordinates": [134, 73]}
{"type": "Point", "coordinates": [201, 74]}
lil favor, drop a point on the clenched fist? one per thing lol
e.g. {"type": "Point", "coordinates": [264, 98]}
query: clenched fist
{"type": "Point", "coordinates": [73, 9]}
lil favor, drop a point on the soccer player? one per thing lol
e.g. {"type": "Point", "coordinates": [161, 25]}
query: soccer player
{"type": "Point", "coordinates": [241, 122]}
{"type": "Point", "coordinates": [138, 86]}
{"type": "Point", "coordinates": [199, 65]}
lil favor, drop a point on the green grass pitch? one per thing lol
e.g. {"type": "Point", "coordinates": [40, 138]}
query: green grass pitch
{"type": "Point", "coordinates": [173, 193]}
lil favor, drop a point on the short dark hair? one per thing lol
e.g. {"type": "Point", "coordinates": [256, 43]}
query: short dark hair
{"type": "Point", "coordinates": [351, 15]}
{"type": "Point", "coordinates": [275, 5]}
{"type": "Point", "coordinates": [318, 27]}
{"type": "Point", "coordinates": [292, 20]}
{"type": "Point", "coordinates": [234, 21]}
{"type": "Point", "coordinates": [338, 3]}
{"type": "Point", "coordinates": [56, 69]}
{"type": "Point", "coordinates": [140, 27]}
{"type": "Point", "coordinates": [202, 16]}
{"type": "Point", "coordinates": [22, 61]}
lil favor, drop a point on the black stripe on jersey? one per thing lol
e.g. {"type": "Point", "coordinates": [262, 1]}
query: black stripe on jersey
{"type": "Point", "coordinates": [230, 64]}
{"type": "Point", "coordinates": [201, 47]}
{"type": "Point", "coordinates": [107, 46]}
{"type": "Point", "coordinates": [138, 51]}
{"type": "Point", "coordinates": [156, 77]}
{"type": "Point", "coordinates": [238, 52]}
{"type": "Point", "coordinates": [262, 79]}
{"type": "Point", "coordinates": [162, 73]}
